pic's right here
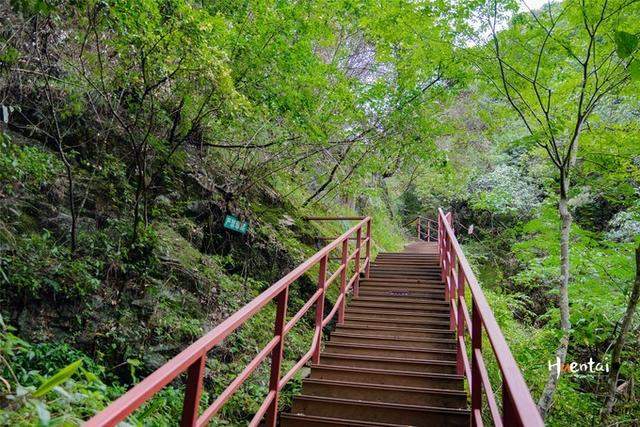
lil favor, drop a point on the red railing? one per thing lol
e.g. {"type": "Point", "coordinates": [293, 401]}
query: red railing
{"type": "Point", "coordinates": [426, 228]}
{"type": "Point", "coordinates": [518, 408]}
{"type": "Point", "coordinates": [193, 359]}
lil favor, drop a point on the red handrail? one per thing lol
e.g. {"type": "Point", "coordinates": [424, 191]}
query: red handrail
{"type": "Point", "coordinates": [422, 232]}
{"type": "Point", "coordinates": [518, 408]}
{"type": "Point", "coordinates": [192, 360]}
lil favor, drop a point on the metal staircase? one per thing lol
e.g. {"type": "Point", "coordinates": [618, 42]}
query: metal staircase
{"type": "Point", "coordinates": [393, 361]}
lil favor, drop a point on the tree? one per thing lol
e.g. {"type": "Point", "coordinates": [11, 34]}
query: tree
{"type": "Point", "coordinates": [555, 67]}
{"type": "Point", "coordinates": [612, 379]}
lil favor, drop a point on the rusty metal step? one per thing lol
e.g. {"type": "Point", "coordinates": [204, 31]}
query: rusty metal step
{"type": "Point", "coordinates": [404, 273]}
{"type": "Point", "coordinates": [398, 314]}
{"type": "Point", "coordinates": [406, 255]}
{"type": "Point", "coordinates": [400, 293]}
{"type": "Point", "coordinates": [421, 284]}
{"type": "Point", "coordinates": [409, 281]}
{"type": "Point", "coordinates": [399, 337]}
{"type": "Point", "coordinates": [302, 420]}
{"type": "Point", "coordinates": [403, 300]}
{"type": "Point", "coordinates": [396, 331]}
{"type": "Point", "coordinates": [407, 274]}
{"type": "Point", "coordinates": [392, 363]}
{"type": "Point", "coordinates": [401, 271]}
{"type": "Point", "coordinates": [435, 288]}
{"type": "Point", "coordinates": [401, 341]}
{"type": "Point", "coordinates": [401, 267]}
{"type": "Point", "coordinates": [431, 262]}
{"type": "Point", "coordinates": [409, 353]}
{"type": "Point", "coordinates": [419, 266]}
{"type": "Point", "coordinates": [409, 266]}
{"type": "Point", "coordinates": [379, 412]}
{"type": "Point", "coordinates": [387, 376]}
{"type": "Point", "coordinates": [368, 319]}
{"type": "Point", "coordinates": [386, 393]}
{"type": "Point", "coordinates": [425, 307]}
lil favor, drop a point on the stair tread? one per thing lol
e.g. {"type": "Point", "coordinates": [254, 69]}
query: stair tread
{"type": "Point", "coordinates": [337, 421]}
{"type": "Point", "coordinates": [392, 347]}
{"type": "Point", "coordinates": [397, 313]}
{"type": "Point", "coordinates": [388, 387]}
{"type": "Point", "coordinates": [396, 337]}
{"type": "Point", "coordinates": [398, 300]}
{"type": "Point", "coordinates": [388, 371]}
{"type": "Point", "coordinates": [382, 404]}
{"type": "Point", "coordinates": [417, 321]}
{"type": "Point", "coordinates": [388, 359]}
{"type": "Point", "coordinates": [394, 329]}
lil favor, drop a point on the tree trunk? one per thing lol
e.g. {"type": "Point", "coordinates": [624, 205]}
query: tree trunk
{"type": "Point", "coordinates": [612, 380]}
{"type": "Point", "coordinates": [544, 403]}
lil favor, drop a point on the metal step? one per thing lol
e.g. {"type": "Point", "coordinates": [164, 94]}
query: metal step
{"type": "Point", "coordinates": [386, 393]}
{"type": "Point", "coordinates": [403, 300]}
{"type": "Point", "coordinates": [379, 412]}
{"type": "Point", "coordinates": [401, 341]}
{"type": "Point", "coordinates": [408, 353]}
{"type": "Point", "coordinates": [402, 293]}
{"type": "Point", "coordinates": [387, 376]}
{"type": "Point", "coordinates": [395, 280]}
{"type": "Point", "coordinates": [395, 331]}
{"type": "Point", "coordinates": [400, 285]}
{"type": "Point", "coordinates": [369, 319]}
{"type": "Point", "coordinates": [302, 420]}
{"type": "Point", "coordinates": [397, 314]}
{"type": "Point", "coordinates": [392, 363]}
{"type": "Point", "coordinates": [426, 307]}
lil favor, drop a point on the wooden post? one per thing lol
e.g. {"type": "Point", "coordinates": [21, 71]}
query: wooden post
{"type": "Point", "coordinates": [428, 231]}
{"type": "Point", "coordinates": [322, 277]}
{"type": "Point", "coordinates": [343, 280]}
{"type": "Point", "coordinates": [193, 393]}
{"type": "Point", "coordinates": [276, 356]}
{"type": "Point", "coordinates": [418, 227]}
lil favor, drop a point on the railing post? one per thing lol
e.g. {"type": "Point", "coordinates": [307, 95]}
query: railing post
{"type": "Point", "coordinates": [356, 284]}
{"type": "Point", "coordinates": [453, 264]}
{"type": "Point", "coordinates": [452, 288]}
{"type": "Point", "coordinates": [322, 277]}
{"type": "Point", "coordinates": [461, 319]}
{"type": "Point", "coordinates": [440, 241]}
{"type": "Point", "coordinates": [368, 252]}
{"type": "Point", "coordinates": [418, 227]}
{"type": "Point", "coordinates": [193, 392]}
{"type": "Point", "coordinates": [509, 414]}
{"type": "Point", "coordinates": [276, 356]}
{"type": "Point", "coordinates": [428, 231]}
{"type": "Point", "coordinates": [343, 280]}
{"type": "Point", "coordinates": [445, 265]}
{"type": "Point", "coordinates": [476, 344]}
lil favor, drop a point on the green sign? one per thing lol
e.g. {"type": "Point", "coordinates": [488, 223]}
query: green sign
{"type": "Point", "coordinates": [234, 224]}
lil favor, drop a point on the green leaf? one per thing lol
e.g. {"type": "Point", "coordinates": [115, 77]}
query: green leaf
{"type": "Point", "coordinates": [626, 43]}
{"type": "Point", "coordinates": [634, 69]}
{"type": "Point", "coordinates": [61, 376]}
